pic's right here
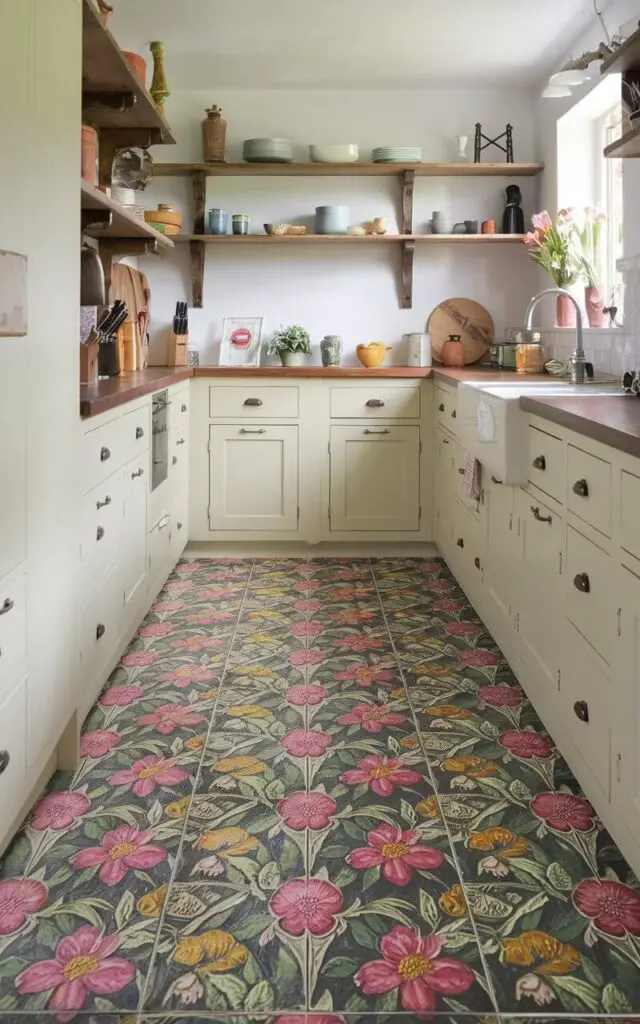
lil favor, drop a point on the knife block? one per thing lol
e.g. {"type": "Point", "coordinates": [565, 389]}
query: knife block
{"type": "Point", "coordinates": [177, 353]}
{"type": "Point", "coordinates": [89, 361]}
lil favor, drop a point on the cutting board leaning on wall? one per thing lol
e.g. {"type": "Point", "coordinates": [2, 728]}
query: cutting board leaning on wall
{"type": "Point", "coordinates": [132, 287]}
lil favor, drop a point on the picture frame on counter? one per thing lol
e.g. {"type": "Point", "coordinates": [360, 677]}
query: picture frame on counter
{"type": "Point", "coordinates": [241, 341]}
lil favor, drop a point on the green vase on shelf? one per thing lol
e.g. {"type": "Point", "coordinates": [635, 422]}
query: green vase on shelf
{"type": "Point", "coordinates": [159, 89]}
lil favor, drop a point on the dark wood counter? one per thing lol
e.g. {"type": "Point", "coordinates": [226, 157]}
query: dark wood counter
{"type": "Point", "coordinates": [454, 375]}
{"type": "Point", "coordinates": [108, 394]}
{"type": "Point", "coordinates": [613, 420]}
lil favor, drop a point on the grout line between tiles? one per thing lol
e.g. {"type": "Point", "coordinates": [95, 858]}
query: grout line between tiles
{"type": "Point", "coordinates": [154, 951]}
{"type": "Point", "coordinates": [488, 979]}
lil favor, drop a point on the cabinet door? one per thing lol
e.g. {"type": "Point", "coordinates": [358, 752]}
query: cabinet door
{"type": "Point", "coordinates": [13, 458]}
{"type": "Point", "coordinates": [502, 545]}
{"type": "Point", "coordinates": [133, 546]}
{"type": "Point", "coordinates": [375, 478]}
{"type": "Point", "coordinates": [626, 702]}
{"type": "Point", "coordinates": [541, 589]}
{"type": "Point", "coordinates": [443, 492]}
{"type": "Point", "coordinates": [253, 477]}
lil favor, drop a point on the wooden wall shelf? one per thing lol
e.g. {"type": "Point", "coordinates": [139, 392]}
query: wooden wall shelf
{"type": "Point", "coordinates": [626, 146]}
{"type": "Point", "coordinates": [427, 170]}
{"type": "Point", "coordinates": [123, 224]}
{"type": "Point", "coordinates": [467, 240]}
{"type": "Point", "coordinates": [625, 58]}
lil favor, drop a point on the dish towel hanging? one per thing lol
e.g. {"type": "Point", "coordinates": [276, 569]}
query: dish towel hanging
{"type": "Point", "coordinates": [472, 475]}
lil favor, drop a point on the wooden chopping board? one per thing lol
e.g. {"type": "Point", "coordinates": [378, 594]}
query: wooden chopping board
{"type": "Point", "coordinates": [464, 317]}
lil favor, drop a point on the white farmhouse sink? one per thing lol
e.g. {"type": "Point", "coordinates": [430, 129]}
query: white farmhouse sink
{"type": "Point", "coordinates": [493, 427]}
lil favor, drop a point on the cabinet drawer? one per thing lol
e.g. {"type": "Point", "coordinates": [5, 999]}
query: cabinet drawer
{"type": "Point", "coordinates": [470, 545]}
{"type": "Point", "coordinates": [178, 448]}
{"type": "Point", "coordinates": [101, 628]}
{"type": "Point", "coordinates": [586, 700]}
{"type": "Point", "coordinates": [179, 410]}
{"type": "Point", "coordinates": [101, 526]}
{"type": "Point", "coordinates": [375, 402]}
{"type": "Point", "coordinates": [629, 505]}
{"type": "Point", "coordinates": [446, 408]}
{"type": "Point", "coordinates": [546, 463]}
{"type": "Point", "coordinates": [589, 592]}
{"type": "Point", "coordinates": [103, 452]}
{"type": "Point", "coordinates": [253, 402]}
{"type": "Point", "coordinates": [589, 488]}
{"type": "Point", "coordinates": [13, 745]}
{"type": "Point", "coordinates": [136, 427]}
{"type": "Point", "coordinates": [13, 631]}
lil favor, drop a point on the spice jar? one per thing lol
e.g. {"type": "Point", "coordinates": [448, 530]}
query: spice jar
{"type": "Point", "coordinates": [214, 133]}
{"type": "Point", "coordinates": [529, 352]}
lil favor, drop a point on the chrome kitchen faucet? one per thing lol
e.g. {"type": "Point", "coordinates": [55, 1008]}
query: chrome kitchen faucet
{"type": "Point", "coordinates": [578, 359]}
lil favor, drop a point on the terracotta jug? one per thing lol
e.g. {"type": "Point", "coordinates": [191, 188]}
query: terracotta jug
{"type": "Point", "coordinates": [452, 351]}
{"type": "Point", "coordinates": [214, 132]}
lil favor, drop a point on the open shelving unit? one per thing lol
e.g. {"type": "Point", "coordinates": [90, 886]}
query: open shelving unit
{"type": "Point", "coordinates": [625, 61]}
{"type": "Point", "coordinates": [406, 240]}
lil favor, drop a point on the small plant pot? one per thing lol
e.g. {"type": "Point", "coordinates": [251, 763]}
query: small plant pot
{"type": "Point", "coordinates": [293, 358]}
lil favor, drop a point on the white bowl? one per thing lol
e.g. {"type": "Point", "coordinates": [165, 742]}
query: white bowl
{"type": "Point", "coordinates": [334, 153]}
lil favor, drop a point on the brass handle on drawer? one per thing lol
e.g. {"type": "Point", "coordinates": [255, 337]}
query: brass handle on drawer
{"type": "Point", "coordinates": [541, 519]}
{"type": "Point", "coordinates": [103, 504]}
{"type": "Point", "coordinates": [104, 454]}
{"type": "Point", "coordinates": [460, 542]}
{"type": "Point", "coordinates": [100, 533]}
{"type": "Point", "coordinates": [252, 401]}
{"type": "Point", "coordinates": [138, 472]}
{"type": "Point", "coordinates": [4, 760]}
{"type": "Point", "coordinates": [139, 433]}
{"type": "Point", "coordinates": [476, 562]}
{"type": "Point", "coordinates": [540, 462]}
{"type": "Point", "coordinates": [7, 606]}
{"type": "Point", "coordinates": [183, 408]}
{"type": "Point", "coordinates": [101, 629]}
{"type": "Point", "coordinates": [375, 403]}
{"type": "Point", "coordinates": [376, 431]}
{"type": "Point", "coordinates": [581, 582]}
{"type": "Point", "coordinates": [581, 488]}
{"type": "Point", "coordinates": [494, 480]}
{"type": "Point", "coordinates": [581, 709]}
{"type": "Point", "coordinates": [243, 430]}
{"type": "Point", "coordinates": [181, 440]}
{"type": "Point", "coordinates": [441, 407]}
{"type": "Point", "coordinates": [174, 460]}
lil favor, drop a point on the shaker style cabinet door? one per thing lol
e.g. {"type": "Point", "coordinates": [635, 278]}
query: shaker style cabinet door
{"type": "Point", "coordinates": [13, 454]}
{"type": "Point", "coordinates": [625, 701]}
{"type": "Point", "coordinates": [375, 478]}
{"type": "Point", "coordinates": [502, 545]}
{"type": "Point", "coordinates": [253, 477]}
{"type": "Point", "coordinates": [133, 547]}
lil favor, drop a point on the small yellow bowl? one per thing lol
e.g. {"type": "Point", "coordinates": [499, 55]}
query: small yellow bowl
{"type": "Point", "coordinates": [373, 354]}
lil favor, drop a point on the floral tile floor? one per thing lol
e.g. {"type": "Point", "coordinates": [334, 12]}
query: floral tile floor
{"type": "Point", "coordinates": [313, 793]}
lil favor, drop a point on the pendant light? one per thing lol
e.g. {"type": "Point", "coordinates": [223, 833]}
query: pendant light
{"type": "Point", "coordinates": [574, 71]}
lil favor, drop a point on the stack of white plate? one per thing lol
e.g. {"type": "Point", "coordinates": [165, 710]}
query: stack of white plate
{"type": "Point", "coordinates": [267, 151]}
{"type": "Point", "coordinates": [397, 155]}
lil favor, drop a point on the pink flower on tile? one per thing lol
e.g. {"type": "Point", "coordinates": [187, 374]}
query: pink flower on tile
{"type": "Point", "coordinates": [139, 659]}
{"type": "Point", "coordinates": [215, 593]}
{"type": "Point", "coordinates": [440, 586]}
{"type": "Point", "coordinates": [302, 629]}
{"type": "Point", "coordinates": [120, 850]}
{"type": "Point", "coordinates": [366, 675]}
{"type": "Point", "coordinates": [83, 965]}
{"type": "Point", "coordinates": [312, 810]}
{"type": "Point", "coordinates": [185, 675]}
{"type": "Point", "coordinates": [310, 657]}
{"type": "Point", "coordinates": [563, 811]}
{"type": "Point", "coordinates": [156, 629]}
{"type": "Point", "coordinates": [479, 658]}
{"type": "Point", "coordinates": [354, 593]}
{"type": "Point", "coordinates": [359, 642]}
{"type": "Point", "coordinates": [397, 853]}
{"type": "Point", "coordinates": [58, 811]}
{"type": "Point", "coordinates": [448, 605]}
{"type": "Point", "coordinates": [346, 574]}
{"type": "Point", "coordinates": [179, 587]}
{"type": "Point", "coordinates": [462, 629]}
{"type": "Point", "coordinates": [306, 743]}
{"type": "Point", "coordinates": [20, 897]}
{"type": "Point", "coordinates": [371, 717]}
{"type": "Point", "coordinates": [148, 772]}
{"type": "Point", "coordinates": [430, 567]}
{"type": "Point", "coordinates": [613, 907]}
{"type": "Point", "coordinates": [306, 693]}
{"type": "Point", "coordinates": [197, 643]}
{"type": "Point", "coordinates": [307, 586]}
{"type": "Point", "coordinates": [98, 743]}
{"type": "Point", "coordinates": [353, 616]}
{"type": "Point", "coordinates": [526, 745]}
{"type": "Point", "coordinates": [169, 606]}
{"type": "Point", "coordinates": [301, 1018]}
{"type": "Point", "coordinates": [308, 606]}
{"type": "Point", "coordinates": [211, 617]}
{"type": "Point", "coordinates": [184, 568]}
{"type": "Point", "coordinates": [412, 964]}
{"type": "Point", "coordinates": [307, 568]}
{"type": "Point", "coordinates": [501, 696]}
{"type": "Point", "coordinates": [381, 774]}
{"type": "Point", "coordinates": [303, 905]}
{"type": "Point", "coordinates": [120, 696]}
{"type": "Point", "coordinates": [170, 717]}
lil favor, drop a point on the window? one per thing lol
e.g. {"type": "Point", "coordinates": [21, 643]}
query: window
{"type": "Point", "coordinates": [609, 199]}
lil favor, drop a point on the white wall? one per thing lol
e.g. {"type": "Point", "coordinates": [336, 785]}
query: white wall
{"type": "Point", "coordinates": [347, 290]}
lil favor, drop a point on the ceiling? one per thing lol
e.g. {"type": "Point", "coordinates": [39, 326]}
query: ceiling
{"type": "Point", "coordinates": [324, 44]}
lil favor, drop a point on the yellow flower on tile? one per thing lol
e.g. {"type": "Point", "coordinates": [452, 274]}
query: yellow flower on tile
{"type": "Point", "coordinates": [249, 711]}
{"type": "Point", "coordinates": [410, 742]}
{"type": "Point", "coordinates": [446, 711]}
{"type": "Point", "coordinates": [268, 614]}
{"type": "Point", "coordinates": [541, 951]}
{"type": "Point", "coordinates": [263, 638]}
{"type": "Point", "coordinates": [428, 808]}
{"type": "Point", "coordinates": [270, 592]}
{"type": "Point", "coordinates": [453, 902]}
{"type": "Point", "coordinates": [398, 694]}
{"type": "Point", "coordinates": [227, 842]}
{"type": "Point", "coordinates": [254, 672]}
{"type": "Point", "coordinates": [195, 743]}
{"type": "Point", "coordinates": [503, 840]}
{"type": "Point", "coordinates": [209, 694]}
{"type": "Point", "coordinates": [219, 951]}
{"type": "Point", "coordinates": [474, 766]}
{"type": "Point", "coordinates": [188, 952]}
{"type": "Point", "coordinates": [240, 767]}
{"type": "Point", "coordinates": [435, 671]}
{"type": "Point", "coordinates": [151, 904]}
{"type": "Point", "coordinates": [178, 809]}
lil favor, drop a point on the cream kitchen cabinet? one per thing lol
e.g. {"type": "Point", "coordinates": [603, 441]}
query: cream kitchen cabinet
{"type": "Point", "coordinates": [133, 535]}
{"type": "Point", "coordinates": [443, 490]}
{"type": "Point", "coordinates": [374, 478]}
{"type": "Point", "coordinates": [13, 461]}
{"type": "Point", "coordinates": [625, 701]}
{"type": "Point", "coordinates": [502, 558]}
{"type": "Point", "coordinates": [253, 475]}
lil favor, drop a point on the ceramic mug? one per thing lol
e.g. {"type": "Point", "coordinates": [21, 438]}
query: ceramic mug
{"type": "Point", "coordinates": [466, 227]}
{"type": "Point", "coordinates": [488, 227]}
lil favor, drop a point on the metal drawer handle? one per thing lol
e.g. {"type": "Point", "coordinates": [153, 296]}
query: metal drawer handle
{"type": "Point", "coordinates": [104, 454]}
{"type": "Point", "coordinates": [243, 430]}
{"type": "Point", "coordinates": [174, 460]}
{"type": "Point", "coordinates": [454, 415]}
{"type": "Point", "coordinates": [476, 562]}
{"type": "Point", "coordinates": [252, 401]}
{"type": "Point", "coordinates": [181, 440]}
{"type": "Point", "coordinates": [376, 431]}
{"type": "Point", "coordinates": [101, 629]}
{"type": "Point", "coordinates": [460, 542]}
{"type": "Point", "coordinates": [138, 472]}
{"type": "Point", "coordinates": [581, 488]}
{"type": "Point", "coordinates": [441, 407]}
{"type": "Point", "coordinates": [4, 760]}
{"type": "Point", "coordinates": [540, 462]}
{"type": "Point", "coordinates": [179, 525]}
{"type": "Point", "coordinates": [581, 709]}
{"type": "Point", "coordinates": [375, 403]}
{"type": "Point", "coordinates": [183, 408]}
{"type": "Point", "coordinates": [163, 522]}
{"type": "Point", "coordinates": [462, 471]}
{"type": "Point", "coordinates": [494, 480]}
{"type": "Point", "coordinates": [139, 433]}
{"type": "Point", "coordinates": [7, 606]}
{"type": "Point", "coordinates": [100, 533]}
{"type": "Point", "coordinates": [541, 519]}
{"type": "Point", "coordinates": [103, 504]}
{"type": "Point", "coordinates": [582, 583]}
{"type": "Point", "coordinates": [445, 440]}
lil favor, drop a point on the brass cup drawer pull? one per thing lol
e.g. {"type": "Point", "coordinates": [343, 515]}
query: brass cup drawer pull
{"type": "Point", "coordinates": [376, 431]}
{"type": "Point", "coordinates": [582, 583]}
{"type": "Point", "coordinates": [104, 453]}
{"type": "Point", "coordinates": [375, 403]}
{"type": "Point", "coordinates": [252, 401]}
{"type": "Point", "coordinates": [4, 760]}
{"type": "Point", "coordinates": [541, 519]}
{"type": "Point", "coordinates": [7, 605]}
{"type": "Point", "coordinates": [103, 504]}
{"type": "Point", "coordinates": [581, 709]}
{"type": "Point", "coordinates": [101, 629]}
{"type": "Point", "coordinates": [540, 462]}
{"type": "Point", "coordinates": [581, 488]}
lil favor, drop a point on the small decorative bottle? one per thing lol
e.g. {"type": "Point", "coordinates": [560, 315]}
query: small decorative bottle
{"type": "Point", "coordinates": [452, 352]}
{"type": "Point", "coordinates": [331, 350]}
{"type": "Point", "coordinates": [214, 132]}
{"type": "Point", "coordinates": [159, 89]}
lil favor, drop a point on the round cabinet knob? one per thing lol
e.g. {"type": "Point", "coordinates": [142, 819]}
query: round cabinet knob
{"type": "Point", "coordinates": [179, 525]}
{"type": "Point", "coordinates": [174, 460]}
{"type": "Point", "coordinates": [7, 605]}
{"type": "Point", "coordinates": [540, 462]}
{"type": "Point", "coordinates": [183, 408]}
{"type": "Point", "coordinates": [100, 533]}
{"type": "Point", "coordinates": [581, 488]}
{"type": "Point", "coordinates": [476, 562]}
{"type": "Point", "coordinates": [581, 582]}
{"type": "Point", "coordinates": [139, 433]}
{"type": "Point", "coordinates": [441, 407]}
{"type": "Point", "coordinates": [104, 454]}
{"type": "Point", "coordinates": [460, 542]}
{"type": "Point", "coordinates": [101, 629]}
{"type": "Point", "coordinates": [454, 415]}
{"type": "Point", "coordinates": [581, 709]}
{"type": "Point", "coordinates": [4, 760]}
{"type": "Point", "coordinates": [181, 440]}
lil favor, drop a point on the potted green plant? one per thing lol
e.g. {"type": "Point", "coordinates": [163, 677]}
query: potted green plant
{"type": "Point", "coordinates": [292, 344]}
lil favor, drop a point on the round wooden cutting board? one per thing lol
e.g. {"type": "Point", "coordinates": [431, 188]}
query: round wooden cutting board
{"type": "Point", "coordinates": [464, 317]}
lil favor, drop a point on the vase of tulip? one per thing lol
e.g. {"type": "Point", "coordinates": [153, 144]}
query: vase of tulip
{"type": "Point", "coordinates": [589, 237]}
{"type": "Point", "coordinates": [553, 247]}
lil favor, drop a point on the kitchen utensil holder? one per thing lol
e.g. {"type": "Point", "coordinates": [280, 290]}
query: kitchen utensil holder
{"type": "Point", "coordinates": [178, 345]}
{"type": "Point", "coordinates": [89, 361]}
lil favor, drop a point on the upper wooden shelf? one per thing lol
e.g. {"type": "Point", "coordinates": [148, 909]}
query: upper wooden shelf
{"type": "Point", "coordinates": [360, 239]}
{"type": "Point", "coordinates": [124, 224]}
{"type": "Point", "coordinates": [106, 73]}
{"type": "Point", "coordinates": [627, 145]}
{"type": "Point", "coordinates": [459, 170]}
{"type": "Point", "coordinates": [625, 58]}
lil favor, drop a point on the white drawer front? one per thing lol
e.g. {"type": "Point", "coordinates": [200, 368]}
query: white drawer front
{"type": "Point", "coordinates": [446, 408]}
{"type": "Point", "coordinates": [589, 488]}
{"type": "Point", "coordinates": [586, 700]}
{"type": "Point", "coordinates": [547, 463]}
{"type": "Point", "coordinates": [630, 504]}
{"type": "Point", "coordinates": [13, 755]}
{"type": "Point", "coordinates": [590, 604]}
{"type": "Point", "coordinates": [251, 401]}
{"type": "Point", "coordinates": [101, 627]}
{"type": "Point", "coordinates": [103, 452]}
{"type": "Point", "coordinates": [375, 402]}
{"type": "Point", "coordinates": [137, 431]}
{"type": "Point", "coordinates": [13, 632]}
{"type": "Point", "coordinates": [101, 519]}
{"type": "Point", "coordinates": [179, 409]}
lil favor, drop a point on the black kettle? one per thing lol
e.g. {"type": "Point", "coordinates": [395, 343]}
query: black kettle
{"type": "Point", "coordinates": [513, 217]}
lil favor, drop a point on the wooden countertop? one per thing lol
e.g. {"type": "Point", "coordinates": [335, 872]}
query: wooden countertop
{"type": "Point", "coordinates": [454, 375]}
{"type": "Point", "coordinates": [107, 394]}
{"type": "Point", "coordinates": [313, 372]}
{"type": "Point", "coordinates": [611, 419]}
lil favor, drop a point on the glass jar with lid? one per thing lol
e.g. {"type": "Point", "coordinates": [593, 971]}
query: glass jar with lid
{"type": "Point", "coordinates": [529, 352]}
